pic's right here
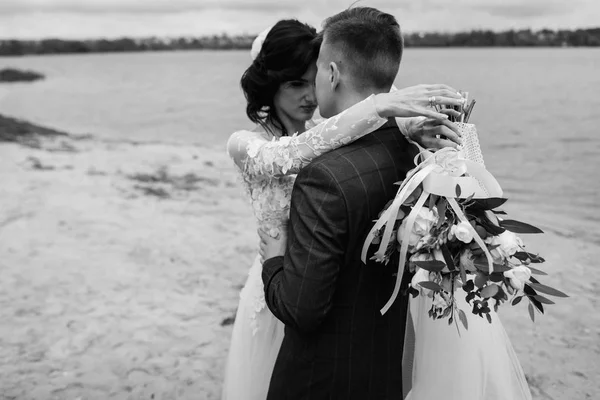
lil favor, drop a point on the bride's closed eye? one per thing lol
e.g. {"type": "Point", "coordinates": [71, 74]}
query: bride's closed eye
{"type": "Point", "coordinates": [297, 84]}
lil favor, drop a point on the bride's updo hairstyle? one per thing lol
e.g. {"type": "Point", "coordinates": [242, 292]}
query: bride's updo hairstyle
{"type": "Point", "coordinates": [285, 55]}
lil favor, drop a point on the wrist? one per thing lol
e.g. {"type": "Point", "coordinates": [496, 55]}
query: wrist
{"type": "Point", "coordinates": [381, 105]}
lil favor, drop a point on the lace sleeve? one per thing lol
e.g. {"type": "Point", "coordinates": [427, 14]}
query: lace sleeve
{"type": "Point", "coordinates": [256, 155]}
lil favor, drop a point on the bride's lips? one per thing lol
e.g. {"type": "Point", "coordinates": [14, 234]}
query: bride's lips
{"type": "Point", "coordinates": [308, 109]}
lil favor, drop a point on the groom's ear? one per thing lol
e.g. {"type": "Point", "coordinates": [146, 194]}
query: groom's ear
{"type": "Point", "coordinates": [334, 75]}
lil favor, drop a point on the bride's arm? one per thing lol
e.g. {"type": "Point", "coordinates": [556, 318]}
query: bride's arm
{"type": "Point", "coordinates": [259, 156]}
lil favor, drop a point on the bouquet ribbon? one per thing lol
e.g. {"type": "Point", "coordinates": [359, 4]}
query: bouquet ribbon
{"type": "Point", "coordinates": [446, 174]}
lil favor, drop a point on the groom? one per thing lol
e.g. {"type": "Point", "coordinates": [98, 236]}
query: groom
{"type": "Point", "coordinates": [337, 344]}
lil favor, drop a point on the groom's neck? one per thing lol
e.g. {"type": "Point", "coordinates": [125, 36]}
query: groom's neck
{"type": "Point", "coordinates": [352, 97]}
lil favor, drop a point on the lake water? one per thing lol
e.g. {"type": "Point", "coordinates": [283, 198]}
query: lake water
{"type": "Point", "coordinates": [537, 112]}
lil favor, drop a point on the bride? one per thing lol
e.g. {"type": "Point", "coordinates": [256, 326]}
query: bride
{"type": "Point", "coordinates": [279, 89]}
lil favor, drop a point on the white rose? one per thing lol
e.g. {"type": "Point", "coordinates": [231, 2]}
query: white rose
{"type": "Point", "coordinates": [425, 220]}
{"type": "Point", "coordinates": [466, 260]}
{"type": "Point", "coordinates": [421, 275]}
{"type": "Point", "coordinates": [439, 301]}
{"type": "Point", "coordinates": [518, 276]}
{"type": "Point", "coordinates": [462, 231]}
{"type": "Point", "coordinates": [508, 244]}
{"type": "Point", "coordinates": [450, 164]}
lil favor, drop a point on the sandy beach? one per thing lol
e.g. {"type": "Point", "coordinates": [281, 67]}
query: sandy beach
{"type": "Point", "coordinates": [121, 265]}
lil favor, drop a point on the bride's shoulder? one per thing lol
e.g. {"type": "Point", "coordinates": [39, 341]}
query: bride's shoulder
{"type": "Point", "coordinates": [240, 140]}
{"type": "Point", "coordinates": [244, 134]}
{"type": "Point", "coordinates": [256, 131]}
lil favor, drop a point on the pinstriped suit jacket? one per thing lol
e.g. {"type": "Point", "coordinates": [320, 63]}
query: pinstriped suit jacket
{"type": "Point", "coordinates": [337, 345]}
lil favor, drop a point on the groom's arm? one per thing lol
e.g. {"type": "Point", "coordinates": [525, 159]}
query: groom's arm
{"type": "Point", "coordinates": [300, 286]}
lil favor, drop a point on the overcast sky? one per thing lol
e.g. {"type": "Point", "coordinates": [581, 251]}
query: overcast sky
{"type": "Point", "coordinates": [112, 18]}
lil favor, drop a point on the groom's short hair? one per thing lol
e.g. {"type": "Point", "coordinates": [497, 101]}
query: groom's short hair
{"type": "Point", "coordinates": [369, 42]}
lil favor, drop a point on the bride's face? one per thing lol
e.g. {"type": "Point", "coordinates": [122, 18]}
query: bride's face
{"type": "Point", "coordinates": [295, 100]}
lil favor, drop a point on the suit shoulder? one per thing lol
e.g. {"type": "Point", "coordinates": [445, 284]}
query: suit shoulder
{"type": "Point", "coordinates": [376, 149]}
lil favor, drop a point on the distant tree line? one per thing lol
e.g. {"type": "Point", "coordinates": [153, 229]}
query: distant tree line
{"type": "Point", "coordinates": [521, 38]}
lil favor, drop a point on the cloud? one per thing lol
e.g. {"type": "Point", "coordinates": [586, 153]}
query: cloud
{"type": "Point", "coordinates": [523, 10]}
{"type": "Point", "coordinates": [141, 18]}
{"type": "Point", "coordinates": [17, 7]}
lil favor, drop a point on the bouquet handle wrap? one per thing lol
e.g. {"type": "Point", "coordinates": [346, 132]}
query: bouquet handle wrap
{"type": "Point", "coordinates": [448, 173]}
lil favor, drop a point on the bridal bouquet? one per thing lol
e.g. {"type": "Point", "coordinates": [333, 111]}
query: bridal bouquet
{"type": "Point", "coordinates": [446, 226]}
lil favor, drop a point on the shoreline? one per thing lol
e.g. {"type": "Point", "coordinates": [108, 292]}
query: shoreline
{"type": "Point", "coordinates": [122, 265]}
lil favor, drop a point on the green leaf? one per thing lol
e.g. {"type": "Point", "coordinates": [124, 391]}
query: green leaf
{"type": "Point", "coordinates": [517, 300]}
{"type": "Point", "coordinates": [489, 291]}
{"type": "Point", "coordinates": [431, 286]}
{"type": "Point", "coordinates": [463, 318]}
{"type": "Point", "coordinates": [536, 303]}
{"type": "Point", "coordinates": [501, 268]}
{"type": "Point", "coordinates": [543, 299]}
{"type": "Point", "coordinates": [468, 286]}
{"type": "Point", "coordinates": [489, 318]}
{"type": "Point", "coordinates": [501, 295]}
{"type": "Point", "coordinates": [480, 280]}
{"type": "Point", "coordinates": [432, 266]}
{"type": "Point", "coordinates": [447, 312]}
{"type": "Point", "coordinates": [536, 271]}
{"type": "Point", "coordinates": [489, 204]}
{"type": "Point", "coordinates": [489, 226]}
{"type": "Point", "coordinates": [458, 191]}
{"type": "Point", "coordinates": [448, 257]}
{"type": "Point", "coordinates": [432, 200]}
{"type": "Point", "coordinates": [529, 291]}
{"type": "Point", "coordinates": [547, 290]}
{"type": "Point", "coordinates": [441, 207]}
{"type": "Point", "coordinates": [519, 227]}
{"type": "Point", "coordinates": [524, 256]}
{"type": "Point", "coordinates": [531, 312]}
{"type": "Point", "coordinates": [481, 264]}
{"type": "Point", "coordinates": [499, 212]}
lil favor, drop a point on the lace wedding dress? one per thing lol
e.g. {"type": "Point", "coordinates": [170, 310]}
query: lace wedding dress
{"type": "Point", "coordinates": [267, 167]}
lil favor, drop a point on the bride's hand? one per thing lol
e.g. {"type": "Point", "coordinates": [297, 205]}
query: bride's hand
{"type": "Point", "coordinates": [417, 101]}
{"type": "Point", "coordinates": [272, 246]}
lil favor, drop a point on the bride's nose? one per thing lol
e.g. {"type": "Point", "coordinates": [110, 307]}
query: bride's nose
{"type": "Point", "coordinates": [310, 95]}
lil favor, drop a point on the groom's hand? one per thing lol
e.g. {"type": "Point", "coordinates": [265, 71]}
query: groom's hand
{"type": "Point", "coordinates": [434, 133]}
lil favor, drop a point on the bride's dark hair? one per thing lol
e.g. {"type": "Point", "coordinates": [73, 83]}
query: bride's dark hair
{"type": "Point", "coordinates": [287, 52]}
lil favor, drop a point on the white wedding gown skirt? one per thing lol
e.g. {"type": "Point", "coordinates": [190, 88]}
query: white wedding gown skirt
{"type": "Point", "coordinates": [480, 364]}
{"type": "Point", "coordinates": [255, 343]}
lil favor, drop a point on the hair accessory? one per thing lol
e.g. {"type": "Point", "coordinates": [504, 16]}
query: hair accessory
{"type": "Point", "coordinates": [258, 42]}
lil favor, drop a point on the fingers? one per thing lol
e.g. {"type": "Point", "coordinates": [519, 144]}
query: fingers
{"type": "Point", "coordinates": [452, 137]}
{"type": "Point", "coordinates": [451, 112]}
{"type": "Point", "coordinates": [263, 235]}
{"type": "Point", "coordinates": [446, 93]}
{"type": "Point", "coordinates": [446, 129]}
{"type": "Point", "coordinates": [449, 101]}
{"type": "Point", "coordinates": [439, 143]}
{"type": "Point", "coordinates": [262, 250]}
{"type": "Point", "coordinates": [440, 86]}
{"type": "Point", "coordinates": [442, 143]}
{"type": "Point", "coordinates": [438, 116]}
